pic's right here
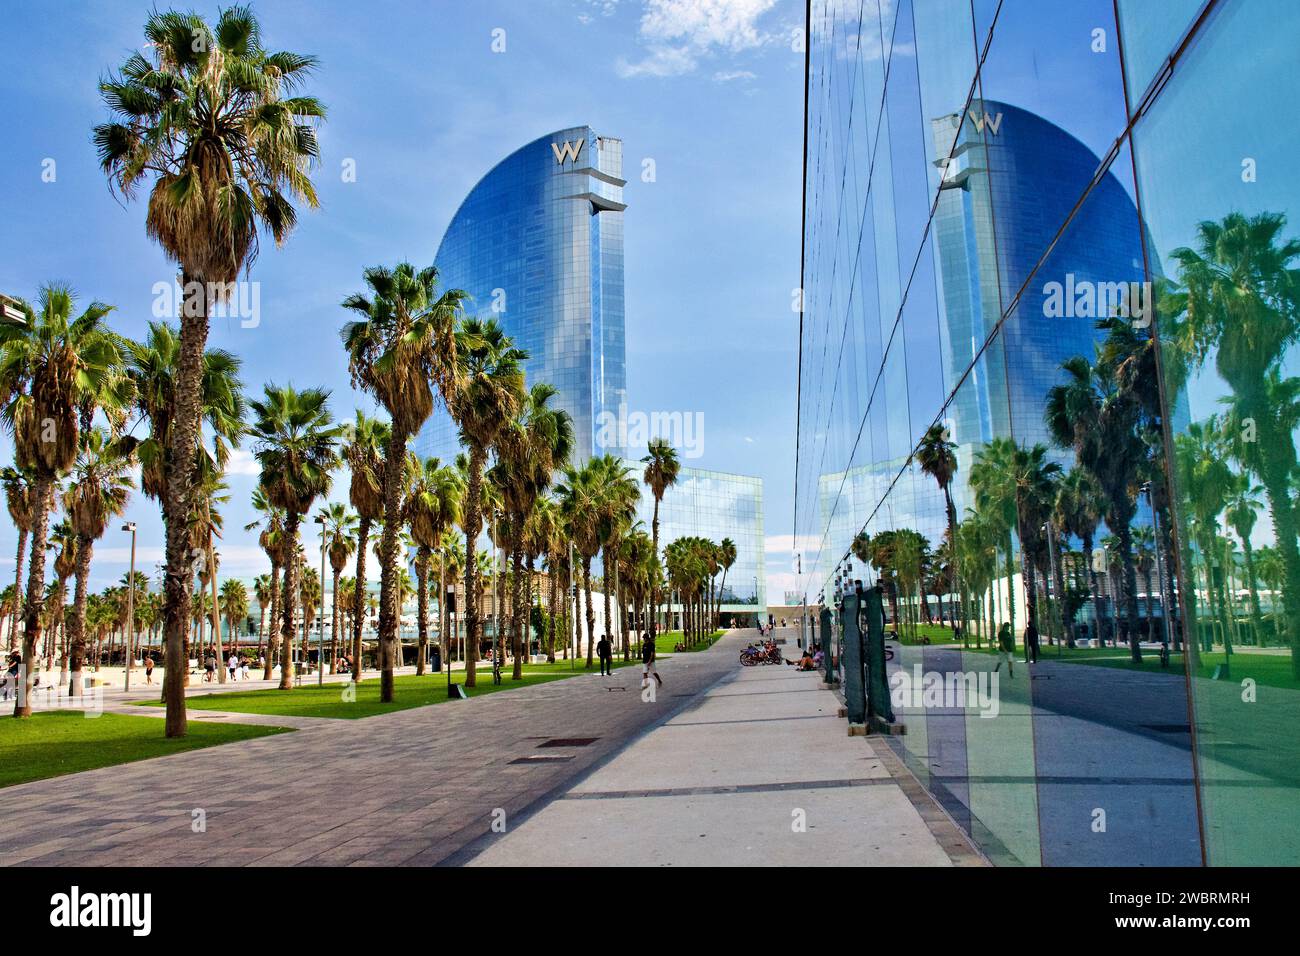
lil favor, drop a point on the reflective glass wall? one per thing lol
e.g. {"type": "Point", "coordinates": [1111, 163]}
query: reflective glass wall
{"type": "Point", "coordinates": [1045, 393]}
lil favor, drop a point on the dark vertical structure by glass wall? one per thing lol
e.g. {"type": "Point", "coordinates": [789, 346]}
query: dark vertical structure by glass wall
{"type": "Point", "coordinates": [1048, 387]}
{"type": "Point", "coordinates": [538, 244]}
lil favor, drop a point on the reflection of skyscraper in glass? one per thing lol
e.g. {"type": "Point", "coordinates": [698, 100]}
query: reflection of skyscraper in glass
{"type": "Point", "coordinates": [1012, 168]}
{"type": "Point", "coordinates": [538, 244]}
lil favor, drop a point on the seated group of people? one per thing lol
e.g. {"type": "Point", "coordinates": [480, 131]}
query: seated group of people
{"type": "Point", "coordinates": [811, 660]}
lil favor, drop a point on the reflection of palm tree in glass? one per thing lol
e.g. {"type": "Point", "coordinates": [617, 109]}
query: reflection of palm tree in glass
{"type": "Point", "coordinates": [1242, 510]}
{"type": "Point", "coordinates": [1078, 512]}
{"type": "Point", "coordinates": [1271, 571]}
{"type": "Point", "coordinates": [1144, 546]}
{"type": "Point", "coordinates": [1240, 301]}
{"type": "Point", "coordinates": [1204, 481]}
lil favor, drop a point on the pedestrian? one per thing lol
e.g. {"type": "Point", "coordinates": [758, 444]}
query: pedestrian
{"type": "Point", "coordinates": [209, 669]}
{"type": "Point", "coordinates": [148, 668]}
{"type": "Point", "coordinates": [648, 664]}
{"type": "Point", "coordinates": [233, 665]}
{"type": "Point", "coordinates": [1031, 642]}
{"type": "Point", "coordinates": [243, 668]}
{"type": "Point", "coordinates": [605, 651]}
{"type": "Point", "coordinates": [11, 677]}
{"type": "Point", "coordinates": [1006, 648]}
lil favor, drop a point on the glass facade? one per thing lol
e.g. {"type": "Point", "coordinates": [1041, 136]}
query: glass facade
{"type": "Point", "coordinates": [716, 505]}
{"type": "Point", "coordinates": [538, 245]}
{"type": "Point", "coordinates": [1047, 376]}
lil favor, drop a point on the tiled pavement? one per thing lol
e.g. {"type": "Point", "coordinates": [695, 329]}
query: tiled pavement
{"type": "Point", "coordinates": [411, 787]}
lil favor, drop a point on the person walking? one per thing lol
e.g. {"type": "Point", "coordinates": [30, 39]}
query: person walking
{"type": "Point", "coordinates": [148, 668]}
{"type": "Point", "coordinates": [648, 664]}
{"type": "Point", "coordinates": [233, 665]}
{"type": "Point", "coordinates": [605, 651]}
{"type": "Point", "coordinates": [1006, 648]}
{"type": "Point", "coordinates": [1031, 642]}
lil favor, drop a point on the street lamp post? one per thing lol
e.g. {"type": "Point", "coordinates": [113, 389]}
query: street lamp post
{"type": "Point", "coordinates": [130, 608]}
{"type": "Point", "coordinates": [320, 641]}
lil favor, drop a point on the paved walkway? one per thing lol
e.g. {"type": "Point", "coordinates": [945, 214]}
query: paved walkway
{"type": "Point", "coordinates": [412, 787]}
{"type": "Point", "coordinates": [757, 771]}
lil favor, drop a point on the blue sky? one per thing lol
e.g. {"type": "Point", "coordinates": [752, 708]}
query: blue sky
{"type": "Point", "coordinates": [423, 107]}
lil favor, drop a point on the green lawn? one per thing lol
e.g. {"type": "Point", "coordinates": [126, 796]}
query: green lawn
{"type": "Point", "coordinates": [313, 700]}
{"type": "Point", "coordinates": [57, 742]}
{"type": "Point", "coordinates": [664, 643]}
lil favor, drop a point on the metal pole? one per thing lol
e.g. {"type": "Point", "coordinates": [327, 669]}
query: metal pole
{"type": "Point", "coordinates": [130, 608]}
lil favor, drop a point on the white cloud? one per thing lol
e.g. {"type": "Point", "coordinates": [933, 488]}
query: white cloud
{"type": "Point", "coordinates": [789, 543]}
{"type": "Point", "coordinates": [242, 462]}
{"type": "Point", "coordinates": [726, 76]}
{"type": "Point", "coordinates": [678, 33]}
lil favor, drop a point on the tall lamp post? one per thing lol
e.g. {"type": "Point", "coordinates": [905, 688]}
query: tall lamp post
{"type": "Point", "coordinates": [320, 640]}
{"type": "Point", "coordinates": [130, 608]}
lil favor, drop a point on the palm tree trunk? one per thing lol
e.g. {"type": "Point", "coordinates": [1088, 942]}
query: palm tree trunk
{"type": "Point", "coordinates": [1125, 535]}
{"type": "Point", "coordinates": [359, 597]}
{"type": "Point", "coordinates": [287, 599]}
{"type": "Point", "coordinates": [35, 595]}
{"type": "Point", "coordinates": [1256, 617]}
{"type": "Point", "coordinates": [180, 461]}
{"type": "Point", "coordinates": [389, 611]}
{"type": "Point", "coordinates": [591, 611]}
{"type": "Point", "coordinates": [442, 608]}
{"type": "Point", "coordinates": [18, 589]}
{"type": "Point", "coordinates": [520, 623]}
{"type": "Point", "coordinates": [272, 641]}
{"type": "Point", "coordinates": [473, 525]}
{"type": "Point", "coordinates": [654, 589]}
{"type": "Point", "coordinates": [606, 584]}
{"type": "Point", "coordinates": [551, 613]}
{"type": "Point", "coordinates": [422, 611]}
{"type": "Point", "coordinates": [77, 626]}
{"type": "Point", "coordinates": [336, 619]}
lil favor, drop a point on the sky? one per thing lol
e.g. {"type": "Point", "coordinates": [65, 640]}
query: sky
{"type": "Point", "coordinates": [423, 99]}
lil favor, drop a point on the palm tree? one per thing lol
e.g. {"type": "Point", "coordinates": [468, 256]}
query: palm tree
{"type": "Point", "coordinates": [1239, 301]}
{"type": "Point", "coordinates": [210, 118]}
{"type": "Point", "coordinates": [432, 507]}
{"type": "Point", "coordinates": [727, 558]}
{"type": "Point", "coordinates": [1242, 510]}
{"type": "Point", "coordinates": [364, 451]}
{"type": "Point", "coordinates": [55, 371]}
{"type": "Point", "coordinates": [661, 471]}
{"type": "Point", "coordinates": [1103, 424]}
{"type": "Point", "coordinates": [18, 497]}
{"type": "Point", "coordinates": [531, 448]}
{"type": "Point", "coordinates": [400, 350]}
{"type": "Point", "coordinates": [98, 492]}
{"type": "Point", "coordinates": [579, 497]}
{"type": "Point", "coordinates": [340, 541]}
{"type": "Point", "coordinates": [64, 537]}
{"type": "Point", "coordinates": [153, 369]}
{"type": "Point", "coordinates": [234, 606]}
{"type": "Point", "coordinates": [1144, 549]}
{"type": "Point", "coordinates": [617, 496]}
{"type": "Point", "coordinates": [262, 591]}
{"type": "Point", "coordinates": [937, 456]}
{"type": "Point", "coordinates": [296, 444]}
{"type": "Point", "coordinates": [1077, 513]}
{"type": "Point", "coordinates": [491, 383]}
{"type": "Point", "coordinates": [272, 541]}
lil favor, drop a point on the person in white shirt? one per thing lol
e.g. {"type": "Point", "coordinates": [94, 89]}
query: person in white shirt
{"type": "Point", "coordinates": [233, 664]}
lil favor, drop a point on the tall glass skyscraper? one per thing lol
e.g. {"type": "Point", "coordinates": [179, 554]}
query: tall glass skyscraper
{"type": "Point", "coordinates": [538, 244]}
{"type": "Point", "coordinates": [984, 183]}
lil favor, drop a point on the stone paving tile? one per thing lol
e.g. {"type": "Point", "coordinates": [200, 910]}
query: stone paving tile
{"type": "Point", "coordinates": [410, 787]}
